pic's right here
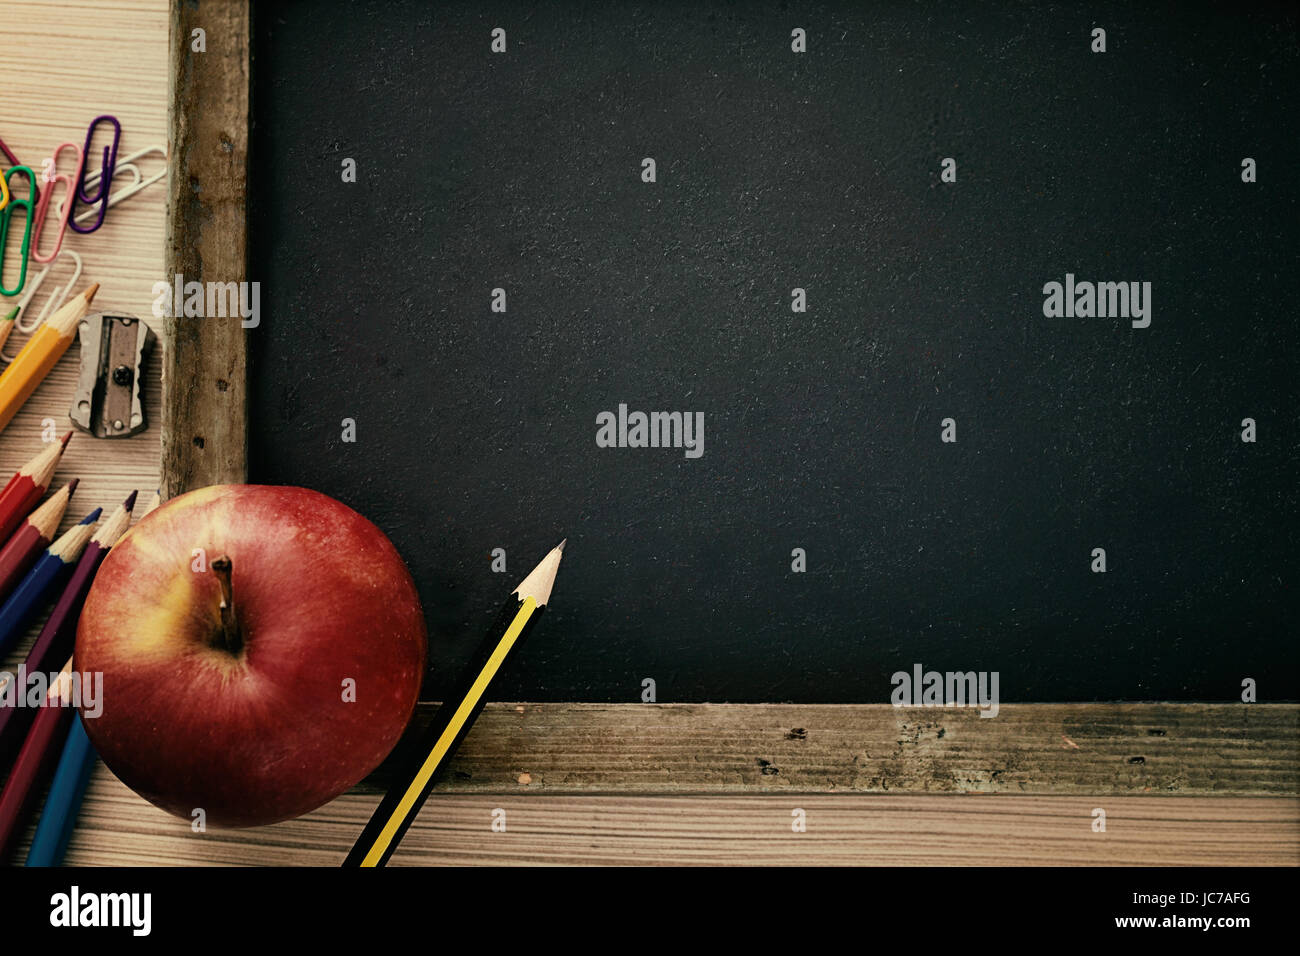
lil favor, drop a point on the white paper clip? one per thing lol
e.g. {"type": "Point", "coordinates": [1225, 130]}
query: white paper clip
{"type": "Point", "coordinates": [125, 164]}
{"type": "Point", "coordinates": [56, 299]}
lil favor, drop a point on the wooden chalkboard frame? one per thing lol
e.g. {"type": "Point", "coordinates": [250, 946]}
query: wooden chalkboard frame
{"type": "Point", "coordinates": [205, 385]}
{"type": "Point", "coordinates": [1106, 748]}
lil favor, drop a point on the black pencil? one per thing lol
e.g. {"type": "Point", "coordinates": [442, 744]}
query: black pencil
{"type": "Point", "coordinates": [455, 717]}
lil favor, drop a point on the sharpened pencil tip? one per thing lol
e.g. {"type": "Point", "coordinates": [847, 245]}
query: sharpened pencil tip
{"type": "Point", "coordinates": [560, 546]}
{"type": "Point", "coordinates": [65, 439]}
{"type": "Point", "coordinates": [90, 293]}
{"type": "Point", "coordinates": [13, 314]}
{"type": "Point", "coordinates": [92, 517]}
{"type": "Point", "coordinates": [129, 504]}
{"type": "Point", "coordinates": [72, 486]}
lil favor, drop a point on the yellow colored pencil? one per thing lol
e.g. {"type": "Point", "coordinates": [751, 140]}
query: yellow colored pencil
{"type": "Point", "coordinates": [39, 355]}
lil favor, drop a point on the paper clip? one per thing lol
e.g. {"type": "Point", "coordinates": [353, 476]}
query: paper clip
{"type": "Point", "coordinates": [13, 161]}
{"type": "Point", "coordinates": [43, 204]}
{"type": "Point", "coordinates": [105, 175]}
{"type": "Point", "coordinates": [6, 217]}
{"type": "Point", "coordinates": [126, 165]}
{"type": "Point", "coordinates": [56, 299]}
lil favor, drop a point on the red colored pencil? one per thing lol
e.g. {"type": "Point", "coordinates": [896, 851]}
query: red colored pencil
{"type": "Point", "coordinates": [35, 761]}
{"type": "Point", "coordinates": [32, 537]}
{"type": "Point", "coordinates": [28, 484]}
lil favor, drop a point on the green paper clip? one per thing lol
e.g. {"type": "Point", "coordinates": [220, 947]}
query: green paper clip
{"type": "Point", "coordinates": [6, 214]}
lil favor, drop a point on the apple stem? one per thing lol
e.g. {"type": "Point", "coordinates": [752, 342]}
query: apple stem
{"type": "Point", "coordinates": [231, 640]}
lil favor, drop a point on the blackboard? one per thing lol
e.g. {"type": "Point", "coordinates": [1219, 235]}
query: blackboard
{"type": "Point", "coordinates": [776, 170]}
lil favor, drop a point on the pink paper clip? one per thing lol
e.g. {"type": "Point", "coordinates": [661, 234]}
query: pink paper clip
{"type": "Point", "coordinates": [43, 204]}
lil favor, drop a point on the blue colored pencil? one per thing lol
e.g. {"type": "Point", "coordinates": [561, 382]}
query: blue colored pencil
{"type": "Point", "coordinates": [59, 818]}
{"type": "Point", "coordinates": [47, 576]}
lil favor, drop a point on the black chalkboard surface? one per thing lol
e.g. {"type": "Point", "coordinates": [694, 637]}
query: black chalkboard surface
{"type": "Point", "coordinates": [823, 429]}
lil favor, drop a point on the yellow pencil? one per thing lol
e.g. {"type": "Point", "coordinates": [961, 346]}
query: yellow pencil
{"type": "Point", "coordinates": [429, 759]}
{"type": "Point", "coordinates": [39, 355]}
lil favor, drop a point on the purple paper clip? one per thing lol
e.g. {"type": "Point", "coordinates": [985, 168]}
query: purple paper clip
{"type": "Point", "coordinates": [105, 176]}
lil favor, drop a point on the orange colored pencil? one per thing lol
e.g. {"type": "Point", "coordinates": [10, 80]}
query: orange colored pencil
{"type": "Point", "coordinates": [32, 537]}
{"type": "Point", "coordinates": [27, 486]}
{"type": "Point", "coordinates": [42, 351]}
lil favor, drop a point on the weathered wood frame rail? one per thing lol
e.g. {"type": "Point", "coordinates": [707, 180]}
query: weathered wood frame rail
{"type": "Point", "coordinates": [205, 405]}
{"type": "Point", "coordinates": [1120, 748]}
{"type": "Point", "coordinates": [1095, 749]}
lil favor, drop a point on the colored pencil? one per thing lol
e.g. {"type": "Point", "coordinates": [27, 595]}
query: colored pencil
{"type": "Point", "coordinates": [42, 351]}
{"type": "Point", "coordinates": [7, 325]}
{"type": "Point", "coordinates": [59, 816]}
{"type": "Point", "coordinates": [46, 576]}
{"type": "Point", "coordinates": [57, 637]}
{"type": "Point", "coordinates": [424, 763]}
{"type": "Point", "coordinates": [24, 489]}
{"type": "Point", "coordinates": [32, 537]}
{"type": "Point", "coordinates": [35, 761]}
{"type": "Point", "coordinates": [152, 506]}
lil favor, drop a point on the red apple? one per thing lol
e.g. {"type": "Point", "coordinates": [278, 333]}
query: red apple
{"type": "Point", "coordinates": [247, 715]}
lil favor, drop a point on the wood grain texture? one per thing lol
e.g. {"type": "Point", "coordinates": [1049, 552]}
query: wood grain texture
{"type": "Point", "coordinates": [117, 829]}
{"type": "Point", "coordinates": [204, 375]}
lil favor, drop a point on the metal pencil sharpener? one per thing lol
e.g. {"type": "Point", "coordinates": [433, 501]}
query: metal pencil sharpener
{"type": "Point", "coordinates": [107, 403]}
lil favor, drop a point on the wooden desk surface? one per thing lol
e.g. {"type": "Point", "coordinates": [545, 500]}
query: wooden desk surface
{"type": "Point", "coordinates": [63, 65]}
{"type": "Point", "coordinates": [66, 62]}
